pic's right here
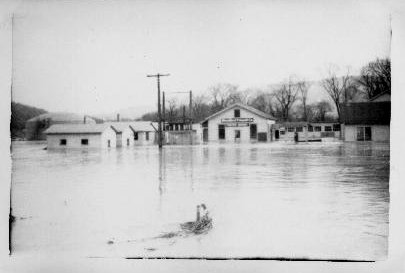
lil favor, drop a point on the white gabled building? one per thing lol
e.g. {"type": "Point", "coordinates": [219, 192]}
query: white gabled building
{"type": "Point", "coordinates": [144, 132]}
{"type": "Point", "coordinates": [237, 123]}
{"type": "Point", "coordinates": [62, 136]}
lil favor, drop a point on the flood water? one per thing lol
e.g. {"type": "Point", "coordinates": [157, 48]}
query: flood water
{"type": "Point", "coordinates": [306, 200]}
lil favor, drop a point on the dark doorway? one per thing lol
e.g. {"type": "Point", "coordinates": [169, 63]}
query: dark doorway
{"type": "Point", "coordinates": [221, 131]}
{"type": "Point", "coordinates": [253, 131]}
{"type": "Point", "coordinates": [277, 134]}
{"type": "Point", "coordinates": [205, 134]}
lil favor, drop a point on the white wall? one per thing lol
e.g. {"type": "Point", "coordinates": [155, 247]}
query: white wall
{"type": "Point", "coordinates": [142, 139]}
{"type": "Point", "coordinates": [127, 138]}
{"type": "Point", "coordinates": [378, 132]}
{"type": "Point", "coordinates": [263, 125]}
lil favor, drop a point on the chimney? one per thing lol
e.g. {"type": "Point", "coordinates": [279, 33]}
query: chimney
{"type": "Point", "coordinates": [118, 117]}
{"type": "Point", "coordinates": [84, 119]}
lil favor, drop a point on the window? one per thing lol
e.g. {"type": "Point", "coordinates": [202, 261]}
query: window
{"type": "Point", "coordinates": [310, 128]}
{"type": "Point", "coordinates": [328, 128]}
{"type": "Point", "coordinates": [136, 136]}
{"type": "Point", "coordinates": [363, 133]}
{"type": "Point", "coordinates": [85, 141]}
{"type": "Point", "coordinates": [282, 132]}
{"type": "Point", "coordinates": [147, 135]}
{"type": "Point", "coordinates": [318, 128]}
{"type": "Point", "coordinates": [336, 127]}
{"type": "Point", "coordinates": [298, 129]}
{"type": "Point", "coordinates": [290, 129]}
{"type": "Point", "coordinates": [62, 142]}
{"type": "Point", "coordinates": [237, 134]}
{"type": "Point", "coordinates": [109, 143]}
{"type": "Point", "coordinates": [127, 141]}
{"type": "Point", "coordinates": [236, 113]}
{"type": "Point", "coordinates": [221, 131]}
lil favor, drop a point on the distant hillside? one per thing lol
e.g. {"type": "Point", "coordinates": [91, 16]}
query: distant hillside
{"type": "Point", "coordinates": [20, 113]}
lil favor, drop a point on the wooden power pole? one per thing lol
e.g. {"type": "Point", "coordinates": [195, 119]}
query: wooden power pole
{"type": "Point", "coordinates": [157, 76]}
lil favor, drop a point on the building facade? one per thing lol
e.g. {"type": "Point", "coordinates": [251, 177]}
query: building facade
{"type": "Point", "coordinates": [367, 121]}
{"type": "Point", "coordinates": [84, 136]}
{"type": "Point", "coordinates": [237, 123]}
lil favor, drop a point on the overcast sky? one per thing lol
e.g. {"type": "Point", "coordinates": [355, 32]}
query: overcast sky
{"type": "Point", "coordinates": [93, 56]}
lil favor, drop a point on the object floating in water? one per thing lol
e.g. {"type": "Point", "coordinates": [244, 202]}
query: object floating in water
{"type": "Point", "coordinates": [201, 225]}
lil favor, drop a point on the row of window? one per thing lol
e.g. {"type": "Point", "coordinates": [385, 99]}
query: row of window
{"type": "Point", "coordinates": [327, 128]}
{"type": "Point", "coordinates": [83, 141]}
{"type": "Point", "coordinates": [136, 136]}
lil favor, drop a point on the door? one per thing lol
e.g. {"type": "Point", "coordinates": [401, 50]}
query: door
{"type": "Point", "coordinates": [253, 131]}
{"type": "Point", "coordinates": [205, 134]}
{"type": "Point", "coordinates": [277, 134]}
{"type": "Point", "coordinates": [237, 135]}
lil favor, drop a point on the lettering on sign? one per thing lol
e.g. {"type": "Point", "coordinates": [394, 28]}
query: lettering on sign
{"type": "Point", "coordinates": [237, 122]}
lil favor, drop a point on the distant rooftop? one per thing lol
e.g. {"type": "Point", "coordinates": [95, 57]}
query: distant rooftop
{"type": "Point", "coordinates": [137, 126]}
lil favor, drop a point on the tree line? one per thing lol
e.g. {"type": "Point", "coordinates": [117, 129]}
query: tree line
{"type": "Point", "coordinates": [288, 101]}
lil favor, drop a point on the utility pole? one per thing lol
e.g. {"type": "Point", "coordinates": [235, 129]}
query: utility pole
{"type": "Point", "coordinates": [159, 112]}
{"type": "Point", "coordinates": [191, 110]}
{"type": "Point", "coordinates": [164, 111]}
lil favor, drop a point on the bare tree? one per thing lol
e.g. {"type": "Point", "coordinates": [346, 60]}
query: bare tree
{"type": "Point", "coordinates": [375, 77]}
{"type": "Point", "coordinates": [303, 87]}
{"type": "Point", "coordinates": [201, 108]}
{"type": "Point", "coordinates": [172, 109]}
{"type": "Point", "coordinates": [320, 110]}
{"type": "Point", "coordinates": [286, 95]}
{"type": "Point", "coordinates": [337, 88]}
{"type": "Point", "coordinates": [220, 95]}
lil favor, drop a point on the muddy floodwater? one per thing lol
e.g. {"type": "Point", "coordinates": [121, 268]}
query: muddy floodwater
{"type": "Point", "coordinates": [306, 200]}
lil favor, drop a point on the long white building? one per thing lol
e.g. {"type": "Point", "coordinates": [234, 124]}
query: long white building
{"type": "Point", "coordinates": [237, 123]}
{"type": "Point", "coordinates": [60, 136]}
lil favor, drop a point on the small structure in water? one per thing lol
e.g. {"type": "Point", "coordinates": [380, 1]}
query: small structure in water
{"type": "Point", "coordinates": [202, 224]}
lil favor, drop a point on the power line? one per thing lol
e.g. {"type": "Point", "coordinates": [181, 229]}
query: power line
{"type": "Point", "coordinates": [157, 76]}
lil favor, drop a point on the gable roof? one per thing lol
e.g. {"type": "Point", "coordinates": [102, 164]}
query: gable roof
{"type": "Point", "coordinates": [135, 126]}
{"type": "Point", "coordinates": [120, 126]}
{"type": "Point", "coordinates": [243, 106]}
{"type": "Point", "coordinates": [366, 113]}
{"type": "Point", "coordinates": [143, 126]}
{"type": "Point", "coordinates": [77, 129]}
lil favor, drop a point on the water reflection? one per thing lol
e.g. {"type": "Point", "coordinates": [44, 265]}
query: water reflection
{"type": "Point", "coordinates": [314, 200]}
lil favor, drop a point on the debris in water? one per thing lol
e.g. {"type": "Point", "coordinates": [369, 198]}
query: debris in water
{"type": "Point", "coordinates": [151, 249]}
{"type": "Point", "coordinates": [110, 242]}
{"type": "Point", "coordinates": [201, 225]}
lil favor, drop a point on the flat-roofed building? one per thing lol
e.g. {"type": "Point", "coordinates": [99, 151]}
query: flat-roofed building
{"type": "Point", "coordinates": [62, 136]}
{"type": "Point", "coordinates": [306, 131]}
{"type": "Point", "coordinates": [237, 123]}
